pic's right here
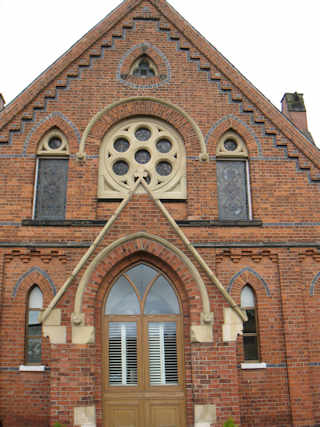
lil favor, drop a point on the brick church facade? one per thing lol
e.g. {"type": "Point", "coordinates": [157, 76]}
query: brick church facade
{"type": "Point", "coordinates": [159, 236]}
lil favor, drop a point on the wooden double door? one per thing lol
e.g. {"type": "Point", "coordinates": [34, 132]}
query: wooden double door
{"type": "Point", "coordinates": [143, 351]}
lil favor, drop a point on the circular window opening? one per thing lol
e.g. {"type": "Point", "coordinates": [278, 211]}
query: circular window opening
{"type": "Point", "coordinates": [142, 148]}
{"type": "Point", "coordinates": [121, 145]}
{"type": "Point", "coordinates": [120, 167]}
{"type": "Point", "coordinates": [164, 146]}
{"type": "Point", "coordinates": [142, 156]}
{"type": "Point", "coordinates": [54, 143]}
{"type": "Point", "coordinates": [164, 168]}
{"type": "Point", "coordinates": [230, 145]}
{"type": "Point", "coordinates": [143, 134]}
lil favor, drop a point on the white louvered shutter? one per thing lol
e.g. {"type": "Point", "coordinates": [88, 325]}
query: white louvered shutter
{"type": "Point", "coordinates": [122, 353]}
{"type": "Point", "coordinates": [163, 367]}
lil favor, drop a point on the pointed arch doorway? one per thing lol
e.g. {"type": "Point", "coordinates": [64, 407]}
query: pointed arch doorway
{"type": "Point", "coordinates": [143, 374]}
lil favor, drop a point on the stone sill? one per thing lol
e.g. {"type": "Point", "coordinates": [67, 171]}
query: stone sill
{"type": "Point", "coordinates": [219, 223]}
{"type": "Point", "coordinates": [32, 368]}
{"type": "Point", "coordinates": [101, 223]}
{"type": "Point", "coordinates": [259, 365]}
{"type": "Point", "coordinates": [63, 222]}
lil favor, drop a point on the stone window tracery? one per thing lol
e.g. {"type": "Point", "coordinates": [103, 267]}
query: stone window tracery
{"type": "Point", "coordinates": [233, 178]}
{"type": "Point", "coordinates": [144, 67]}
{"type": "Point", "coordinates": [51, 176]}
{"type": "Point", "coordinates": [145, 147]}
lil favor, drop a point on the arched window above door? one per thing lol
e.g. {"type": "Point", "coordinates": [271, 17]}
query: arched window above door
{"type": "Point", "coordinates": [142, 314]}
{"type": "Point", "coordinates": [142, 289]}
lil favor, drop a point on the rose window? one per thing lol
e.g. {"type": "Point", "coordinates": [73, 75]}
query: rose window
{"type": "Point", "coordinates": [147, 148]}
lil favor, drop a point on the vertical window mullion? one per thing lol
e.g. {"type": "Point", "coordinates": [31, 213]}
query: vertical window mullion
{"type": "Point", "coordinates": [162, 355]}
{"type": "Point", "coordinates": [123, 355]}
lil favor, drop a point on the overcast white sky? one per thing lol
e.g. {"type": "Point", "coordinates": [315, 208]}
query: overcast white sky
{"type": "Point", "coordinates": [274, 43]}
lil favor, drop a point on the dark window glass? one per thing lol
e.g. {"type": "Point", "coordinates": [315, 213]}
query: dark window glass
{"type": "Point", "coordinates": [121, 145]}
{"type": "Point", "coordinates": [250, 331]}
{"type": "Point", "coordinates": [250, 344]}
{"type": "Point", "coordinates": [232, 190]}
{"type": "Point", "coordinates": [164, 145]}
{"type": "Point", "coordinates": [143, 134]}
{"type": "Point", "coordinates": [54, 143]}
{"type": "Point", "coordinates": [33, 327]}
{"type": "Point", "coordinates": [164, 168]}
{"type": "Point", "coordinates": [142, 156]}
{"type": "Point", "coordinates": [230, 145]}
{"type": "Point", "coordinates": [120, 167]}
{"type": "Point", "coordinates": [51, 188]}
{"type": "Point", "coordinates": [250, 325]}
{"type": "Point", "coordinates": [144, 69]}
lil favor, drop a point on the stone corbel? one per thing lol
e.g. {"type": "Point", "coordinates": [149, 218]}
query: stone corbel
{"type": "Point", "coordinates": [203, 333]}
{"type": "Point", "coordinates": [233, 325]}
{"type": "Point", "coordinates": [52, 328]}
{"type": "Point", "coordinates": [204, 415]}
{"type": "Point", "coordinates": [81, 334]}
{"type": "Point", "coordinates": [85, 416]}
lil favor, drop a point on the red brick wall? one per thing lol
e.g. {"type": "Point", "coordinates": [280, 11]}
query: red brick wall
{"type": "Point", "coordinates": [284, 197]}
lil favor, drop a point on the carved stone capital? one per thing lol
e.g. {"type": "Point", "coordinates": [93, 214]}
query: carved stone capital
{"type": "Point", "coordinates": [206, 318]}
{"type": "Point", "coordinates": [81, 156]}
{"type": "Point", "coordinates": [77, 319]}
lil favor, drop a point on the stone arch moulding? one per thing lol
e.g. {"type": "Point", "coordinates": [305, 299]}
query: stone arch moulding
{"type": "Point", "coordinates": [144, 105]}
{"type": "Point", "coordinates": [158, 58]}
{"type": "Point", "coordinates": [33, 275]}
{"type": "Point", "coordinates": [248, 275]}
{"type": "Point", "coordinates": [232, 327]}
{"type": "Point", "coordinates": [314, 283]}
{"type": "Point", "coordinates": [54, 120]}
{"type": "Point", "coordinates": [233, 123]}
{"type": "Point", "coordinates": [82, 334]}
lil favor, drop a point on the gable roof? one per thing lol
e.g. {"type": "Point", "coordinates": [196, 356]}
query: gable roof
{"type": "Point", "coordinates": [211, 54]}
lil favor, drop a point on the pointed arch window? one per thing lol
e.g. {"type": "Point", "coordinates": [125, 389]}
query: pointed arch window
{"type": "Point", "coordinates": [250, 329]}
{"type": "Point", "coordinates": [51, 176]}
{"type": "Point", "coordinates": [143, 320]}
{"type": "Point", "coordinates": [33, 327]}
{"type": "Point", "coordinates": [233, 178]}
{"type": "Point", "coordinates": [144, 67]}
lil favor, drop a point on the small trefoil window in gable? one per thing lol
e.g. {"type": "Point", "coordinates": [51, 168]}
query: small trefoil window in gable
{"type": "Point", "coordinates": [233, 178]}
{"type": "Point", "coordinates": [144, 67]}
{"type": "Point", "coordinates": [51, 176]}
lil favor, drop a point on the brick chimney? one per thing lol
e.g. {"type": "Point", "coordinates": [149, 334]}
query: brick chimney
{"type": "Point", "coordinates": [292, 106]}
{"type": "Point", "coordinates": [2, 102]}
